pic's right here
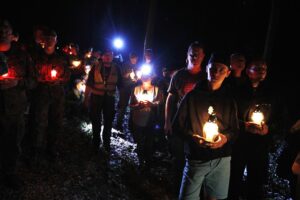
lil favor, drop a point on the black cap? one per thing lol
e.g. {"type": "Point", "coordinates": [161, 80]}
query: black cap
{"type": "Point", "coordinates": [219, 58]}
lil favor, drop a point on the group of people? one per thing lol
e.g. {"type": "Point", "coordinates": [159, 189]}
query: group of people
{"type": "Point", "coordinates": [225, 123]}
{"type": "Point", "coordinates": [219, 119]}
{"type": "Point", "coordinates": [43, 81]}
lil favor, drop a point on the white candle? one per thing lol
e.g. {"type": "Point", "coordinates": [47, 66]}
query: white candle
{"type": "Point", "coordinates": [210, 128]}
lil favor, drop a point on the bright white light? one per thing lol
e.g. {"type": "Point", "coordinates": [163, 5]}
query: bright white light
{"type": "Point", "coordinates": [118, 43]}
{"type": "Point", "coordinates": [146, 69]}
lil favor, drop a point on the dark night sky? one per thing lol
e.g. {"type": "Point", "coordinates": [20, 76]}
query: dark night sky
{"type": "Point", "coordinates": [229, 25]}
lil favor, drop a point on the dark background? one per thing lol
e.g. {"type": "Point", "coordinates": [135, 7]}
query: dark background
{"type": "Point", "coordinates": [231, 25]}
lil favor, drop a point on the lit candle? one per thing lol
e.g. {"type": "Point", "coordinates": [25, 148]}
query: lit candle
{"type": "Point", "coordinates": [132, 75]}
{"type": "Point", "coordinates": [5, 75]}
{"type": "Point", "coordinates": [257, 117]}
{"type": "Point", "coordinates": [53, 73]}
{"type": "Point", "coordinates": [76, 63]}
{"type": "Point", "coordinates": [139, 74]}
{"type": "Point", "coordinates": [82, 87]}
{"type": "Point", "coordinates": [210, 128]}
{"type": "Point", "coordinates": [144, 96]}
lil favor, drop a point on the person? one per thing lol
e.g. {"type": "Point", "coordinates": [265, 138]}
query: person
{"type": "Point", "coordinates": [152, 63]}
{"type": "Point", "coordinates": [103, 80]}
{"type": "Point", "coordinates": [291, 146]}
{"type": "Point", "coordinates": [181, 83]}
{"type": "Point", "coordinates": [18, 78]}
{"type": "Point", "coordinates": [47, 104]}
{"type": "Point", "coordinates": [237, 65]}
{"type": "Point", "coordinates": [144, 103]}
{"type": "Point", "coordinates": [296, 171]}
{"type": "Point", "coordinates": [128, 72]}
{"type": "Point", "coordinates": [259, 112]}
{"type": "Point", "coordinates": [207, 160]}
{"type": "Point", "coordinates": [75, 99]}
{"type": "Point", "coordinates": [37, 42]}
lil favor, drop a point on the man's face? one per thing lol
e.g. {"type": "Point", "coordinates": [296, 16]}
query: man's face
{"type": "Point", "coordinates": [50, 41]}
{"type": "Point", "coordinates": [133, 60]}
{"type": "Point", "coordinates": [238, 63]}
{"type": "Point", "coordinates": [217, 72]}
{"type": "Point", "coordinates": [107, 57]}
{"type": "Point", "coordinates": [257, 72]}
{"type": "Point", "coordinates": [5, 35]}
{"type": "Point", "coordinates": [195, 56]}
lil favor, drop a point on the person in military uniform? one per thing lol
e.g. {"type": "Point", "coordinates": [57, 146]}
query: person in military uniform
{"type": "Point", "coordinates": [102, 82]}
{"type": "Point", "coordinates": [14, 81]}
{"type": "Point", "coordinates": [47, 106]}
{"type": "Point", "coordinates": [128, 72]}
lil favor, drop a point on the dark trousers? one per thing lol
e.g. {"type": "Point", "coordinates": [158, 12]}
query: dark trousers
{"type": "Point", "coordinates": [102, 106]}
{"type": "Point", "coordinates": [124, 95]}
{"type": "Point", "coordinates": [176, 146]}
{"type": "Point", "coordinates": [144, 137]}
{"type": "Point", "coordinates": [255, 158]}
{"type": "Point", "coordinates": [47, 111]}
{"type": "Point", "coordinates": [11, 135]}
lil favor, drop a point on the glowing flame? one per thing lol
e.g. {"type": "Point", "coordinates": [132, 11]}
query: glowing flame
{"type": "Point", "coordinates": [53, 73]}
{"type": "Point", "coordinates": [139, 74]}
{"type": "Point", "coordinates": [132, 75]}
{"type": "Point", "coordinates": [144, 96]}
{"type": "Point", "coordinates": [82, 87]}
{"type": "Point", "coordinates": [5, 75]}
{"type": "Point", "coordinates": [210, 110]}
{"type": "Point", "coordinates": [76, 63]}
{"type": "Point", "coordinates": [210, 131]}
{"type": "Point", "coordinates": [87, 69]}
{"type": "Point", "coordinates": [257, 117]}
{"type": "Point", "coordinates": [146, 69]}
{"type": "Point", "coordinates": [210, 128]}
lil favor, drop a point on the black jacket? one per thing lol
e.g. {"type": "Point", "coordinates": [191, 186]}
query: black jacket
{"type": "Point", "coordinates": [193, 113]}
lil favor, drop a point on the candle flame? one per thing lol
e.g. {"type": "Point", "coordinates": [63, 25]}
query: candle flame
{"type": "Point", "coordinates": [132, 75]}
{"type": "Point", "coordinates": [76, 63]}
{"type": "Point", "coordinates": [53, 73]}
{"type": "Point", "coordinates": [210, 131]}
{"type": "Point", "coordinates": [257, 117]}
{"type": "Point", "coordinates": [144, 97]}
{"type": "Point", "coordinates": [210, 110]}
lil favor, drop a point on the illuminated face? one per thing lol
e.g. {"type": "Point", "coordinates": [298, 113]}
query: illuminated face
{"type": "Point", "coordinates": [195, 56]}
{"type": "Point", "coordinates": [257, 72]}
{"type": "Point", "coordinates": [5, 37]}
{"type": "Point", "coordinates": [217, 72]}
{"type": "Point", "coordinates": [50, 41]}
{"type": "Point", "coordinates": [107, 57]}
{"type": "Point", "coordinates": [238, 63]}
{"type": "Point", "coordinates": [133, 60]}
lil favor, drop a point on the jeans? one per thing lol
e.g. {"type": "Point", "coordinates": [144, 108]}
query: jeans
{"type": "Point", "coordinates": [213, 175]}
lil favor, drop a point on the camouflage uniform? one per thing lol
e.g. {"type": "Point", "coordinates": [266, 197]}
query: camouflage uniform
{"type": "Point", "coordinates": [47, 108]}
{"type": "Point", "coordinates": [13, 102]}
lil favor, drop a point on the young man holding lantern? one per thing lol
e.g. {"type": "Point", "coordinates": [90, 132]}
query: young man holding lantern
{"type": "Point", "coordinates": [257, 105]}
{"type": "Point", "coordinates": [208, 107]}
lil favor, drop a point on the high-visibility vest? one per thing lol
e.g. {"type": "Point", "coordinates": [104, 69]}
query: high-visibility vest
{"type": "Point", "coordinates": [102, 86]}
